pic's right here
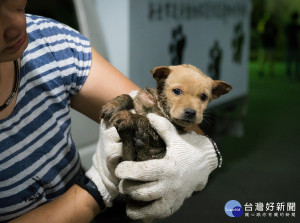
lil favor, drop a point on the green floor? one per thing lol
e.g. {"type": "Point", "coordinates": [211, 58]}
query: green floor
{"type": "Point", "coordinates": [263, 166]}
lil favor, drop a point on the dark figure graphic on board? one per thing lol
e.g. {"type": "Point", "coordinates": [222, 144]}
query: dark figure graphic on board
{"type": "Point", "coordinates": [177, 45]}
{"type": "Point", "coordinates": [237, 43]}
{"type": "Point", "coordinates": [215, 55]}
{"type": "Point", "coordinates": [293, 49]}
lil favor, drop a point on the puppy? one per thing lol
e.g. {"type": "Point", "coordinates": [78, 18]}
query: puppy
{"type": "Point", "coordinates": [182, 94]}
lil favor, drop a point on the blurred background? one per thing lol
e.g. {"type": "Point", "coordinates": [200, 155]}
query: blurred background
{"type": "Point", "coordinates": [251, 44]}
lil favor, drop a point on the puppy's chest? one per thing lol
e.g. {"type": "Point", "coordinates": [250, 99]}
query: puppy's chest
{"type": "Point", "coordinates": [147, 102]}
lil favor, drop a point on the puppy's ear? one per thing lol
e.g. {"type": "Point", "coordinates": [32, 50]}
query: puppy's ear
{"type": "Point", "coordinates": [160, 73]}
{"type": "Point", "coordinates": [220, 88]}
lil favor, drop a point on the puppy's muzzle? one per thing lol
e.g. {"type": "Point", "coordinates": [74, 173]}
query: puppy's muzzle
{"type": "Point", "coordinates": [189, 114]}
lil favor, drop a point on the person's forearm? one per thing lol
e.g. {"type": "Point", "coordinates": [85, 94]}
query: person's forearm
{"type": "Point", "coordinates": [103, 83]}
{"type": "Point", "coordinates": [76, 205]}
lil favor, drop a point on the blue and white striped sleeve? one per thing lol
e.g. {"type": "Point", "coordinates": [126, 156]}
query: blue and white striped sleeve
{"type": "Point", "coordinates": [77, 53]}
{"type": "Point", "coordinates": [72, 51]}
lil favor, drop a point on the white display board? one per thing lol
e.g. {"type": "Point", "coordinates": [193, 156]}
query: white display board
{"type": "Point", "coordinates": [210, 34]}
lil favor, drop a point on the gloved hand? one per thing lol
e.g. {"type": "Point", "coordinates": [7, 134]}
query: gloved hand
{"type": "Point", "coordinates": [106, 158]}
{"type": "Point", "coordinates": [189, 160]}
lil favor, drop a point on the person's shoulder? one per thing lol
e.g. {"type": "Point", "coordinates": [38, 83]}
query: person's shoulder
{"type": "Point", "coordinates": [40, 28]}
{"type": "Point", "coordinates": [39, 21]}
{"type": "Point", "coordinates": [48, 26]}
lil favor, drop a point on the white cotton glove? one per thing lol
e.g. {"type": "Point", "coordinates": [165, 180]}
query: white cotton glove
{"type": "Point", "coordinates": [106, 158]}
{"type": "Point", "coordinates": [189, 160]}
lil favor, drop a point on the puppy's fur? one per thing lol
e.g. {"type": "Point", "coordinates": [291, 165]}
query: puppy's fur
{"type": "Point", "coordinates": [182, 95]}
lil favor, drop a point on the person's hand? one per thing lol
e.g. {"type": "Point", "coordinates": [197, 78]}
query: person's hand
{"type": "Point", "coordinates": [106, 158]}
{"type": "Point", "coordinates": [189, 160]}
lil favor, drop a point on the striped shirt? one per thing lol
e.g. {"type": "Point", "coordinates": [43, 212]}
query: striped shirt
{"type": "Point", "coordinates": [38, 158]}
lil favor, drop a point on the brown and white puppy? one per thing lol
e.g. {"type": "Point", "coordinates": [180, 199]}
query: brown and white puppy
{"type": "Point", "coordinates": [182, 94]}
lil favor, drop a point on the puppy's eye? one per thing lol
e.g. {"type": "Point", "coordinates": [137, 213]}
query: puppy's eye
{"type": "Point", "coordinates": [177, 91]}
{"type": "Point", "coordinates": [203, 97]}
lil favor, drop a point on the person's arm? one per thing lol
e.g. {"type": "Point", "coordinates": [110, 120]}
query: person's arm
{"type": "Point", "coordinates": [103, 83]}
{"type": "Point", "coordinates": [76, 205]}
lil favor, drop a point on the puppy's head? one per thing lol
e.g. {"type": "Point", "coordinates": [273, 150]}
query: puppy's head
{"type": "Point", "coordinates": [184, 92]}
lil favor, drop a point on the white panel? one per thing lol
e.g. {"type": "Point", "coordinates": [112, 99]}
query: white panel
{"type": "Point", "coordinates": [154, 23]}
{"type": "Point", "coordinates": [114, 22]}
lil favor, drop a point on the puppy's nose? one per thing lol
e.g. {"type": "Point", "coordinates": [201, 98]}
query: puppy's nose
{"type": "Point", "coordinates": [189, 113]}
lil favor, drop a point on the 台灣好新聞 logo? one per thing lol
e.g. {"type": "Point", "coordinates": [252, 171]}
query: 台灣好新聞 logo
{"type": "Point", "coordinates": [233, 208]}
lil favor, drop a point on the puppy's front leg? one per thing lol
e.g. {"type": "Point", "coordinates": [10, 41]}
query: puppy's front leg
{"type": "Point", "coordinates": [148, 143]}
{"type": "Point", "coordinates": [120, 103]}
{"type": "Point", "coordinates": [140, 141]}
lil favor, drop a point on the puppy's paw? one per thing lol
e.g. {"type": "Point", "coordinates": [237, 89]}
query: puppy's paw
{"type": "Point", "coordinates": [106, 113]}
{"type": "Point", "coordinates": [120, 103]}
{"type": "Point", "coordinates": [122, 120]}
